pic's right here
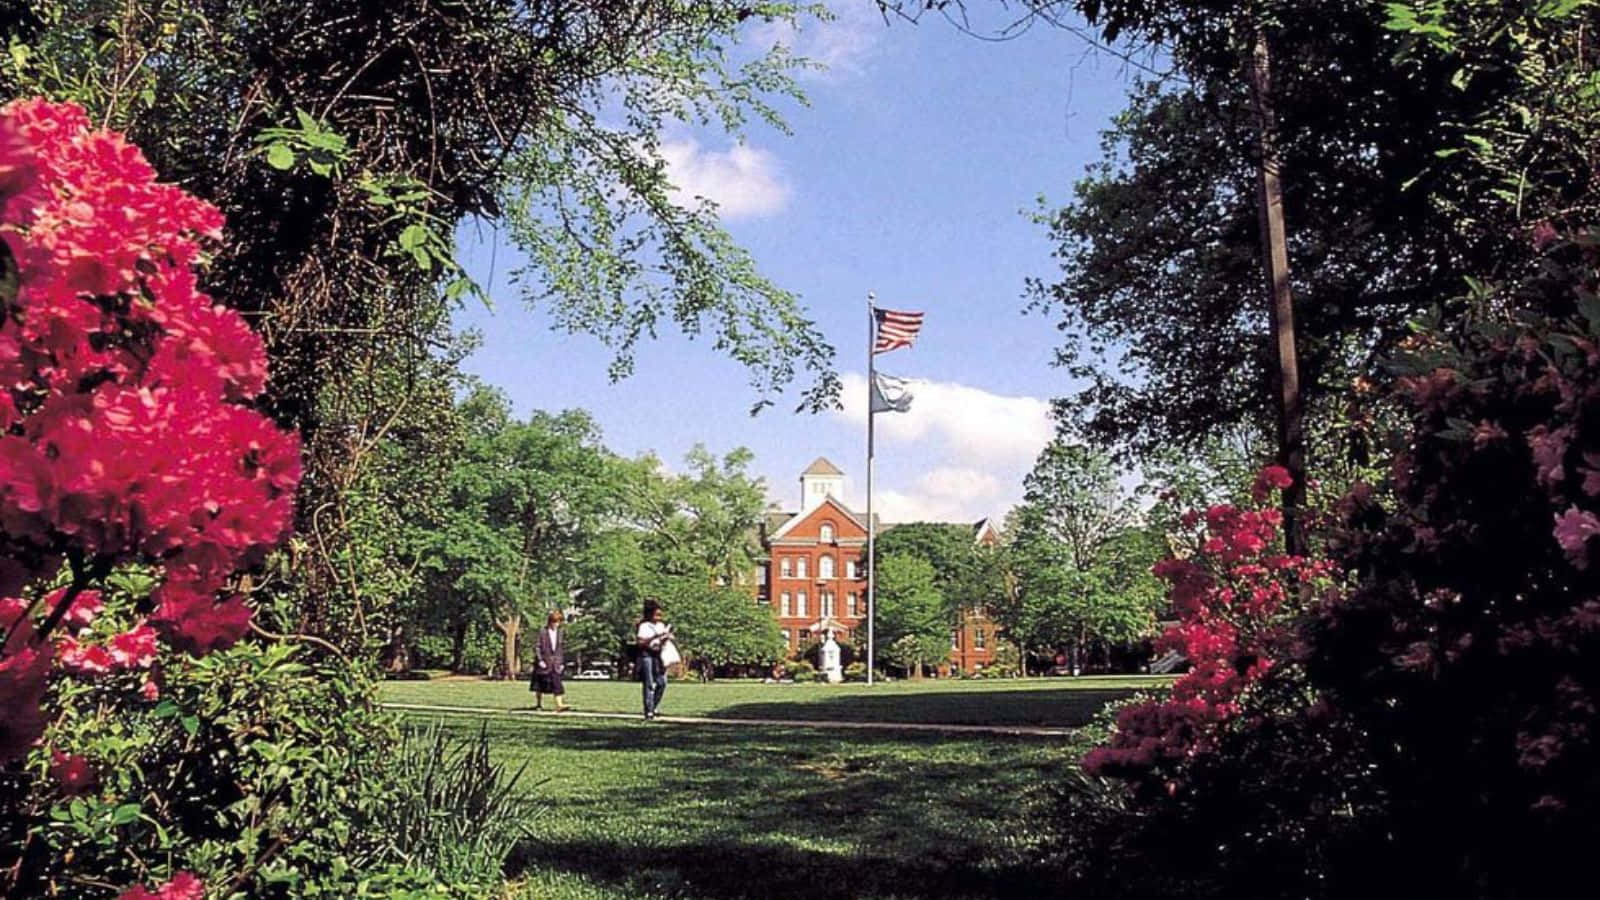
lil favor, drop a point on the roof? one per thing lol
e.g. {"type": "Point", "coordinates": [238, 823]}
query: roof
{"type": "Point", "coordinates": [797, 518]}
{"type": "Point", "coordinates": [983, 525]}
{"type": "Point", "coordinates": [773, 520]}
{"type": "Point", "coordinates": [821, 466]}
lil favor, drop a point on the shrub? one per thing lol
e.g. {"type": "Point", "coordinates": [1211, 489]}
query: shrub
{"type": "Point", "coordinates": [856, 671]}
{"type": "Point", "coordinates": [458, 814]}
{"type": "Point", "coordinates": [1236, 598]}
{"type": "Point", "coordinates": [135, 482]}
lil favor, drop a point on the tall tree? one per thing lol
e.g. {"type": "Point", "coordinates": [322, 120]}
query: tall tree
{"type": "Point", "coordinates": [1074, 498]}
{"type": "Point", "coordinates": [346, 142]}
{"type": "Point", "coordinates": [911, 616]}
{"type": "Point", "coordinates": [967, 577]}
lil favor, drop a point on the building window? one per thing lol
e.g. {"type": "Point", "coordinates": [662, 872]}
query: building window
{"type": "Point", "coordinates": [801, 567]}
{"type": "Point", "coordinates": [800, 604]}
{"type": "Point", "coordinates": [783, 568]}
{"type": "Point", "coordinates": [850, 568]}
{"type": "Point", "coordinates": [955, 640]}
{"type": "Point", "coordinates": [761, 576]}
{"type": "Point", "coordinates": [827, 604]}
{"type": "Point", "coordinates": [786, 641]}
{"type": "Point", "coordinates": [850, 603]}
{"type": "Point", "coordinates": [979, 640]}
{"type": "Point", "coordinates": [825, 534]}
{"type": "Point", "coordinates": [825, 567]}
{"type": "Point", "coordinates": [783, 609]}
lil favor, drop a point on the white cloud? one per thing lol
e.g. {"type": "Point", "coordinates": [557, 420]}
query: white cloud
{"type": "Point", "coordinates": [976, 447]}
{"type": "Point", "coordinates": [946, 494]}
{"type": "Point", "coordinates": [743, 181]}
{"type": "Point", "coordinates": [965, 423]}
{"type": "Point", "coordinates": [841, 44]}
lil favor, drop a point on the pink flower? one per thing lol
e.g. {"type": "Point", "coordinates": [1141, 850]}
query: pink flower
{"type": "Point", "coordinates": [150, 690]}
{"type": "Point", "coordinates": [183, 886]}
{"type": "Point", "coordinates": [1573, 530]}
{"type": "Point", "coordinates": [23, 671]}
{"type": "Point", "coordinates": [83, 659]}
{"type": "Point", "coordinates": [193, 621]}
{"type": "Point", "coordinates": [12, 609]}
{"type": "Point", "coordinates": [1487, 433]}
{"type": "Point", "coordinates": [1272, 478]}
{"type": "Point", "coordinates": [72, 772]}
{"type": "Point", "coordinates": [85, 607]}
{"type": "Point", "coordinates": [1549, 452]}
{"type": "Point", "coordinates": [134, 649]}
{"type": "Point", "coordinates": [1544, 234]}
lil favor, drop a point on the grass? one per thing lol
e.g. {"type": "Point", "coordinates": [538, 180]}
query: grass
{"type": "Point", "coordinates": [630, 810]}
{"type": "Point", "coordinates": [1034, 701]}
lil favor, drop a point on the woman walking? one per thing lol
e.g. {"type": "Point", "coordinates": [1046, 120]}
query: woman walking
{"type": "Point", "coordinates": [653, 634]}
{"type": "Point", "coordinates": [547, 671]}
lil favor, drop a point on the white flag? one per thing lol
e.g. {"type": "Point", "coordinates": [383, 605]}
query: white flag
{"type": "Point", "coordinates": [890, 394]}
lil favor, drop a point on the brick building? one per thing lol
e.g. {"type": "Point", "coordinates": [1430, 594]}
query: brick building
{"type": "Point", "coordinates": [814, 574]}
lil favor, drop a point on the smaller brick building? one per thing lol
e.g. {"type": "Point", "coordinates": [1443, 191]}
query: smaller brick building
{"type": "Point", "coordinates": [814, 572]}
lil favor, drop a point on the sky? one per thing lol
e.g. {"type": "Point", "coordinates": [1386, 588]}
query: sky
{"type": "Point", "coordinates": [912, 174]}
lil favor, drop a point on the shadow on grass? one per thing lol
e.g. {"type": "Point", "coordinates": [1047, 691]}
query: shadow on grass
{"type": "Point", "coordinates": [1066, 707]}
{"type": "Point", "coordinates": [728, 813]}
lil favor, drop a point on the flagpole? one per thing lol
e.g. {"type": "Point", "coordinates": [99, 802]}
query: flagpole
{"type": "Point", "coordinates": [872, 604]}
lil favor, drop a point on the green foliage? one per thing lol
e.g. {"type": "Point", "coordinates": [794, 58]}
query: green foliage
{"type": "Point", "coordinates": [912, 628]}
{"type": "Point", "coordinates": [968, 575]}
{"type": "Point", "coordinates": [458, 814]}
{"type": "Point", "coordinates": [1079, 559]}
{"type": "Point", "coordinates": [1160, 294]}
{"type": "Point", "coordinates": [257, 769]}
{"type": "Point", "coordinates": [718, 626]}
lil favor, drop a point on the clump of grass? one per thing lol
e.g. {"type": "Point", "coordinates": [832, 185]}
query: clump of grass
{"type": "Point", "coordinates": [458, 814]}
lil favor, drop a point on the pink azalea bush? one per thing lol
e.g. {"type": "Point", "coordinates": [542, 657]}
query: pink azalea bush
{"type": "Point", "coordinates": [127, 435]}
{"type": "Point", "coordinates": [1235, 598]}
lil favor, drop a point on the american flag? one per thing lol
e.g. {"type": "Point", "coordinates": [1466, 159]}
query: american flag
{"type": "Point", "coordinates": [895, 329]}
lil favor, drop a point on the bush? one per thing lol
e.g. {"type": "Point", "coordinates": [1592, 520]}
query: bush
{"type": "Point", "coordinates": [253, 767]}
{"type": "Point", "coordinates": [458, 814]}
{"type": "Point", "coordinates": [856, 671]}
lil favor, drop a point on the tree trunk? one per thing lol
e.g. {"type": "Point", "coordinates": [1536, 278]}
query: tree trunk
{"type": "Point", "coordinates": [458, 649]}
{"type": "Point", "coordinates": [510, 627]}
{"type": "Point", "coordinates": [1275, 269]}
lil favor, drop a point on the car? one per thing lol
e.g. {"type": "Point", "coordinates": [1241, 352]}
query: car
{"type": "Point", "coordinates": [592, 675]}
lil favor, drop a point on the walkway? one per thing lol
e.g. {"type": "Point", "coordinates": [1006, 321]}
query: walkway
{"type": "Point", "coordinates": [1028, 730]}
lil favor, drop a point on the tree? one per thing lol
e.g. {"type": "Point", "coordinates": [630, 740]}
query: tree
{"type": "Point", "coordinates": [1158, 293]}
{"type": "Point", "coordinates": [1078, 558]}
{"type": "Point", "coordinates": [346, 143]}
{"type": "Point", "coordinates": [911, 620]}
{"type": "Point", "coordinates": [965, 573]}
{"type": "Point", "coordinates": [526, 498]}
{"type": "Point", "coordinates": [721, 626]}
{"type": "Point", "coordinates": [1073, 497]}
{"type": "Point", "coordinates": [705, 521]}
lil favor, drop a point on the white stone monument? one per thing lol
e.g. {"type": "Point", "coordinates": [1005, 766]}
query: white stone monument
{"type": "Point", "coordinates": [830, 660]}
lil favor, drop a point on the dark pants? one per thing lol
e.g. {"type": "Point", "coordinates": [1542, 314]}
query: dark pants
{"type": "Point", "coordinates": [654, 676]}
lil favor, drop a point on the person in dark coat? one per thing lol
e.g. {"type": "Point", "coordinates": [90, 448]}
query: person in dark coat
{"type": "Point", "coordinates": [547, 670]}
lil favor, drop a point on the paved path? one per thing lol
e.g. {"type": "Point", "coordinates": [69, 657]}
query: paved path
{"type": "Point", "coordinates": [1030, 730]}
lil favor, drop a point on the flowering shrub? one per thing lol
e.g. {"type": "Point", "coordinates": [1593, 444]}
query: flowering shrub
{"type": "Point", "coordinates": [129, 453]}
{"type": "Point", "coordinates": [124, 434]}
{"type": "Point", "coordinates": [1234, 598]}
{"type": "Point", "coordinates": [1468, 656]}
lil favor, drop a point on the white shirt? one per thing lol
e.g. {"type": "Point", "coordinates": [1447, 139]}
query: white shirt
{"type": "Point", "coordinates": [649, 631]}
{"type": "Point", "coordinates": [555, 638]}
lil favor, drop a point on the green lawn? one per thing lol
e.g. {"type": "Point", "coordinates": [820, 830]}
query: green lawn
{"type": "Point", "coordinates": [1033, 701]}
{"type": "Point", "coordinates": [629, 809]}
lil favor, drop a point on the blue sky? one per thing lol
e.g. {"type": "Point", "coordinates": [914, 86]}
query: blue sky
{"type": "Point", "coordinates": [909, 175]}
